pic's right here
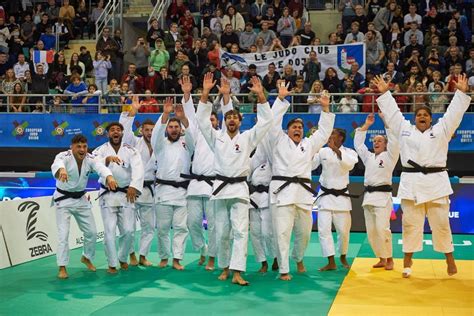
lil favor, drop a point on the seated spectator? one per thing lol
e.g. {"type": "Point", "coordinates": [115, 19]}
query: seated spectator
{"type": "Point", "coordinates": [355, 36]}
{"type": "Point", "coordinates": [76, 65]}
{"type": "Point", "coordinates": [257, 10]}
{"type": "Point", "coordinates": [435, 61]}
{"type": "Point", "coordinates": [210, 37]}
{"type": "Point", "coordinates": [432, 31]}
{"type": "Point", "coordinates": [176, 10]}
{"type": "Point", "coordinates": [271, 78]}
{"type": "Point", "coordinates": [20, 67]}
{"type": "Point", "coordinates": [39, 108]}
{"type": "Point", "coordinates": [348, 103]}
{"type": "Point", "coordinates": [96, 12]}
{"type": "Point", "coordinates": [436, 79]}
{"type": "Point", "coordinates": [81, 20]}
{"type": "Point", "coordinates": [276, 45]}
{"type": "Point", "coordinates": [38, 11]}
{"type": "Point", "coordinates": [270, 18]}
{"type": "Point", "coordinates": [469, 63]}
{"type": "Point", "coordinates": [207, 10]}
{"type": "Point", "coordinates": [171, 36]}
{"type": "Point", "coordinates": [452, 79]}
{"type": "Point", "coordinates": [181, 60]}
{"type": "Point", "coordinates": [378, 35]}
{"type": "Point", "coordinates": [299, 88]}
{"type": "Point", "coordinates": [412, 16]}
{"type": "Point", "coordinates": [67, 13]}
{"type": "Point", "coordinates": [403, 101]}
{"type": "Point", "coordinates": [58, 72]}
{"type": "Point", "coordinates": [92, 100]}
{"type": "Point", "coordinates": [186, 72]}
{"type": "Point", "coordinates": [244, 9]}
{"type": "Point", "coordinates": [289, 76]}
{"type": "Point", "coordinates": [48, 38]}
{"type": "Point", "coordinates": [368, 101]}
{"type": "Point", "coordinates": [434, 44]}
{"type": "Point", "coordinates": [348, 13]}
{"type": "Point", "coordinates": [413, 31]}
{"type": "Point", "coordinates": [260, 46]}
{"type": "Point", "coordinates": [233, 81]}
{"type": "Point", "coordinates": [214, 55]}
{"type": "Point", "coordinates": [235, 19]}
{"type": "Point", "coordinates": [299, 20]}
{"type": "Point", "coordinates": [266, 34]}
{"type": "Point", "coordinates": [149, 104]}
{"type": "Point", "coordinates": [229, 37]}
{"type": "Point", "coordinates": [451, 30]}
{"type": "Point", "coordinates": [417, 99]}
{"type": "Point", "coordinates": [149, 81]}
{"type": "Point", "coordinates": [383, 18]}
{"type": "Point", "coordinates": [58, 106]}
{"type": "Point", "coordinates": [331, 81]}
{"type": "Point", "coordinates": [245, 81]}
{"type": "Point", "coordinates": [27, 31]}
{"type": "Point", "coordinates": [17, 99]}
{"type": "Point", "coordinates": [396, 76]}
{"type": "Point", "coordinates": [76, 90]}
{"type": "Point", "coordinates": [112, 97]}
{"type": "Point", "coordinates": [216, 26]}
{"type": "Point", "coordinates": [126, 98]}
{"type": "Point", "coordinates": [438, 100]}
{"type": "Point", "coordinates": [165, 84]}
{"type": "Point", "coordinates": [188, 24]}
{"type": "Point", "coordinates": [360, 18]}
{"type": "Point", "coordinates": [314, 99]}
{"type": "Point", "coordinates": [61, 30]}
{"type": "Point", "coordinates": [414, 60]}
{"type": "Point", "coordinates": [134, 80]}
{"type": "Point", "coordinates": [198, 56]}
{"type": "Point", "coordinates": [247, 38]}
{"type": "Point", "coordinates": [306, 34]}
{"type": "Point", "coordinates": [9, 82]}
{"type": "Point", "coordinates": [375, 53]}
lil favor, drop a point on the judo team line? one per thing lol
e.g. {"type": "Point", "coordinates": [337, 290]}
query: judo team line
{"type": "Point", "coordinates": [33, 289]}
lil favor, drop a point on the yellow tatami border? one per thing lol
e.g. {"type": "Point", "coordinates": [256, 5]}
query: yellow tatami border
{"type": "Point", "coordinates": [429, 290]}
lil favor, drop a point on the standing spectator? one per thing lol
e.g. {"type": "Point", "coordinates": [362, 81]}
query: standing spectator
{"type": "Point", "coordinates": [453, 57]}
{"type": "Point", "coordinates": [331, 82]}
{"type": "Point", "coordinates": [314, 99]}
{"type": "Point", "coordinates": [286, 27]}
{"type": "Point", "coordinates": [52, 11]}
{"type": "Point", "coordinates": [296, 5]}
{"type": "Point", "coordinates": [412, 16]}
{"type": "Point", "coordinates": [172, 36]}
{"type": "Point", "coordinates": [418, 100]}
{"type": "Point", "coordinates": [58, 72]}
{"type": "Point", "coordinates": [96, 12]}
{"type": "Point", "coordinates": [77, 89]}
{"type": "Point", "coordinates": [216, 23]}
{"type": "Point", "coordinates": [175, 11]}
{"type": "Point", "coordinates": [17, 99]}
{"type": "Point", "coordinates": [117, 69]}
{"type": "Point", "coordinates": [134, 80]}
{"type": "Point", "coordinates": [375, 53]}
{"type": "Point", "coordinates": [368, 101]}
{"type": "Point", "coordinates": [438, 99]}
{"type": "Point", "coordinates": [4, 36]}
{"type": "Point", "coordinates": [149, 104]}
{"type": "Point", "coordinates": [92, 100]}
{"type": "Point", "coordinates": [188, 24]}
{"type": "Point", "coordinates": [141, 53]}
{"type": "Point", "coordinates": [61, 30]}
{"type": "Point", "coordinates": [214, 55]}
{"type": "Point", "coordinates": [360, 18]}
{"type": "Point", "coordinates": [42, 26]}
{"type": "Point", "coordinates": [112, 97]}
{"type": "Point", "coordinates": [289, 76]}
{"type": "Point", "coordinates": [355, 76]}
{"type": "Point", "coordinates": [38, 12]}
{"type": "Point", "coordinates": [154, 32]}
{"type": "Point", "coordinates": [299, 88]}
{"type": "Point", "coordinates": [235, 19]}
{"type": "Point", "coordinates": [48, 38]}
{"type": "Point", "coordinates": [67, 13]}
{"type": "Point", "coordinates": [165, 83]}
{"type": "Point", "coordinates": [198, 55]}
{"type": "Point", "coordinates": [39, 83]}
{"type": "Point", "coordinates": [311, 69]}
{"type": "Point", "coordinates": [108, 47]}
{"type": "Point", "coordinates": [372, 7]}
{"type": "Point", "coordinates": [27, 31]}
{"type": "Point", "coordinates": [384, 17]}
{"type": "Point", "coordinates": [306, 34]}
{"type": "Point", "coordinates": [299, 21]}
{"type": "Point", "coordinates": [101, 66]}
{"type": "Point", "coordinates": [347, 7]}
{"type": "Point", "coordinates": [234, 82]}
{"type": "Point", "coordinates": [271, 78]}
{"type": "Point", "coordinates": [378, 35]}
{"type": "Point", "coordinates": [81, 20]}
{"type": "Point", "coordinates": [75, 65]}
{"type": "Point", "coordinates": [86, 58]}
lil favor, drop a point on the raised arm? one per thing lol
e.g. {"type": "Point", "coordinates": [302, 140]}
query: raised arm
{"type": "Point", "coordinates": [204, 111]}
{"type": "Point", "coordinates": [158, 135]}
{"type": "Point", "coordinates": [393, 117]}
{"type": "Point", "coordinates": [457, 107]}
{"type": "Point", "coordinates": [127, 119]}
{"type": "Point", "coordinates": [393, 143]}
{"type": "Point", "coordinates": [359, 138]}
{"type": "Point", "coordinates": [325, 125]}
{"type": "Point", "coordinates": [264, 114]}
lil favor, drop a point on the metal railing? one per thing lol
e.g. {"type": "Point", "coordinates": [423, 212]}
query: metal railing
{"type": "Point", "coordinates": [112, 12]}
{"type": "Point", "coordinates": [159, 13]}
{"type": "Point", "coordinates": [115, 103]}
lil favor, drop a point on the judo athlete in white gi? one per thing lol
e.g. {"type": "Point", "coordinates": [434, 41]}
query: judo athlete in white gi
{"type": "Point", "coordinates": [72, 169]}
{"type": "Point", "coordinates": [202, 178]}
{"type": "Point", "coordinates": [173, 153]}
{"type": "Point", "coordinates": [117, 206]}
{"type": "Point", "coordinates": [424, 183]}
{"type": "Point", "coordinates": [144, 205]}
{"type": "Point", "coordinates": [291, 195]}
{"type": "Point", "coordinates": [377, 201]}
{"type": "Point", "coordinates": [232, 151]}
{"type": "Point", "coordinates": [333, 200]}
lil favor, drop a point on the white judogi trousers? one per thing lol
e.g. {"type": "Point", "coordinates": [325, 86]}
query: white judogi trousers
{"type": "Point", "coordinates": [197, 207]}
{"type": "Point", "coordinates": [168, 216]}
{"type": "Point", "coordinates": [377, 222]}
{"type": "Point", "coordinates": [124, 218]}
{"type": "Point", "coordinates": [146, 215]}
{"type": "Point", "coordinates": [286, 219]}
{"type": "Point", "coordinates": [413, 222]}
{"type": "Point", "coordinates": [342, 223]}
{"type": "Point", "coordinates": [261, 234]}
{"type": "Point", "coordinates": [232, 216]}
{"type": "Point", "coordinates": [85, 221]}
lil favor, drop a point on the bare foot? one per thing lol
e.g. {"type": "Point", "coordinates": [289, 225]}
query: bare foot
{"type": "Point", "coordinates": [407, 263]}
{"type": "Point", "coordinates": [344, 262]}
{"type": "Point", "coordinates": [224, 275]}
{"type": "Point", "coordinates": [202, 260]}
{"type": "Point", "coordinates": [390, 264]}
{"type": "Point", "coordinates": [300, 267]}
{"type": "Point", "coordinates": [88, 264]}
{"type": "Point", "coordinates": [328, 267]}
{"type": "Point", "coordinates": [123, 265]}
{"type": "Point", "coordinates": [163, 263]}
{"type": "Point", "coordinates": [62, 274]}
{"type": "Point", "coordinates": [133, 259]}
{"type": "Point", "coordinates": [264, 267]}
{"type": "Point", "coordinates": [112, 270]}
{"type": "Point", "coordinates": [275, 265]}
{"type": "Point", "coordinates": [210, 264]}
{"type": "Point", "coordinates": [144, 262]}
{"type": "Point", "coordinates": [382, 262]}
{"type": "Point", "coordinates": [285, 277]}
{"type": "Point", "coordinates": [237, 279]}
{"type": "Point", "coordinates": [177, 265]}
{"type": "Point", "coordinates": [452, 269]}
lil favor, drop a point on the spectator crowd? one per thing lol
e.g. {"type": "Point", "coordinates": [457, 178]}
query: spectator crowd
{"type": "Point", "coordinates": [421, 46]}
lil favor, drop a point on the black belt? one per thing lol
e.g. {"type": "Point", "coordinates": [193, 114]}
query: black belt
{"type": "Point", "coordinates": [107, 190]}
{"type": "Point", "coordinates": [336, 192]}
{"type": "Point", "coordinates": [424, 170]}
{"type": "Point", "coordinates": [226, 181]}
{"type": "Point", "coordinates": [199, 177]}
{"type": "Point", "coordinates": [69, 195]}
{"type": "Point", "coordinates": [301, 181]}
{"type": "Point", "coordinates": [379, 188]}
{"type": "Point", "coordinates": [149, 184]}
{"type": "Point", "coordinates": [259, 189]}
{"type": "Point", "coordinates": [175, 184]}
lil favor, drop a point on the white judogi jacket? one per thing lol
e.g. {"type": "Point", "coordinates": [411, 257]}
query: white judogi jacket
{"type": "Point", "coordinates": [77, 180]}
{"type": "Point", "coordinates": [232, 155]}
{"type": "Point", "coordinates": [203, 160]}
{"type": "Point", "coordinates": [261, 175]}
{"type": "Point", "coordinates": [335, 175]}
{"type": "Point", "coordinates": [174, 158]}
{"type": "Point", "coordinates": [294, 160]}
{"type": "Point", "coordinates": [128, 173]}
{"type": "Point", "coordinates": [428, 149]}
{"type": "Point", "coordinates": [378, 168]}
{"type": "Point", "coordinates": [148, 159]}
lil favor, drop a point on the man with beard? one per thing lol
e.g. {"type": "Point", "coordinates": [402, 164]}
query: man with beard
{"type": "Point", "coordinates": [377, 202]}
{"type": "Point", "coordinates": [291, 196]}
{"type": "Point", "coordinates": [71, 169]}
{"type": "Point", "coordinates": [173, 153]}
{"type": "Point", "coordinates": [231, 194]}
{"type": "Point", "coordinates": [334, 200]}
{"type": "Point", "coordinates": [144, 203]}
{"type": "Point", "coordinates": [117, 206]}
{"type": "Point", "coordinates": [202, 177]}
